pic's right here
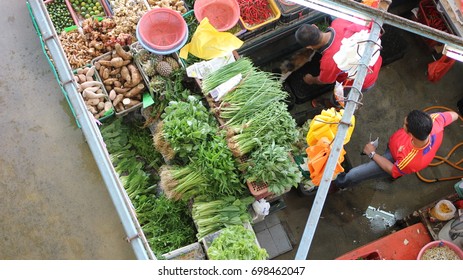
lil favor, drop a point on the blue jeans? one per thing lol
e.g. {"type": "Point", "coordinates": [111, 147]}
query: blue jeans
{"type": "Point", "coordinates": [366, 171]}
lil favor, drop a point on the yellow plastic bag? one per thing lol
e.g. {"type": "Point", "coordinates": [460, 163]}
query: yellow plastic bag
{"type": "Point", "coordinates": [208, 43]}
{"type": "Point", "coordinates": [326, 125]}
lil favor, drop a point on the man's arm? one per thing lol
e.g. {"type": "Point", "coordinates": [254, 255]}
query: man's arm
{"type": "Point", "coordinates": [311, 80]}
{"type": "Point", "coordinates": [455, 116]}
{"type": "Point", "coordinates": [383, 162]}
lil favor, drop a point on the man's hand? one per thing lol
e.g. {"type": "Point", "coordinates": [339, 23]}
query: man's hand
{"type": "Point", "coordinates": [369, 148]}
{"type": "Point", "coordinates": [310, 80]}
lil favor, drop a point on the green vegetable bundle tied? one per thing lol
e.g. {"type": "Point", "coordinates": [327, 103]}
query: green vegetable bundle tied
{"type": "Point", "coordinates": [211, 216]}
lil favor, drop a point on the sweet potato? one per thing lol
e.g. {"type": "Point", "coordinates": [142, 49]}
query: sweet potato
{"type": "Point", "coordinates": [112, 94]}
{"type": "Point", "coordinates": [135, 75]}
{"type": "Point", "coordinates": [115, 62]}
{"type": "Point", "coordinates": [92, 95]}
{"type": "Point", "coordinates": [125, 75]}
{"type": "Point", "coordinates": [129, 103]}
{"type": "Point", "coordinates": [122, 53]}
{"type": "Point", "coordinates": [88, 84]}
{"type": "Point", "coordinates": [118, 99]}
{"type": "Point", "coordinates": [121, 90]}
{"type": "Point", "coordinates": [135, 91]}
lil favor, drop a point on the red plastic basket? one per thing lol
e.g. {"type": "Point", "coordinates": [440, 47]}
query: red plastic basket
{"type": "Point", "coordinates": [162, 29]}
{"type": "Point", "coordinates": [222, 14]}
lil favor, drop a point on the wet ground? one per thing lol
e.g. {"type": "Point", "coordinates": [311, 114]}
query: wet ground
{"type": "Point", "coordinates": [56, 206]}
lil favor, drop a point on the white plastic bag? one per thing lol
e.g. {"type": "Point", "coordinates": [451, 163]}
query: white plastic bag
{"type": "Point", "coordinates": [351, 50]}
{"type": "Point", "coordinates": [261, 207]}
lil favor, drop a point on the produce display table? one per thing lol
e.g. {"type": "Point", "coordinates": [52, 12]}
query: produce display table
{"type": "Point", "coordinates": [401, 245]}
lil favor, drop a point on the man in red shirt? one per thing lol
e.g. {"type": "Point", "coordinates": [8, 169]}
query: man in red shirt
{"type": "Point", "coordinates": [328, 44]}
{"type": "Point", "coordinates": [410, 149]}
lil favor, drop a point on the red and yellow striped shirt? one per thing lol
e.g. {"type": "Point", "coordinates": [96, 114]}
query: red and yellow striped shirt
{"type": "Point", "coordinates": [409, 159]}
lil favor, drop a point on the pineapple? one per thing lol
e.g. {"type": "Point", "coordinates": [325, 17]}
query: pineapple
{"type": "Point", "coordinates": [157, 83]}
{"type": "Point", "coordinates": [149, 69]}
{"type": "Point", "coordinates": [144, 56]}
{"type": "Point", "coordinates": [172, 62]}
{"type": "Point", "coordinates": [164, 69]}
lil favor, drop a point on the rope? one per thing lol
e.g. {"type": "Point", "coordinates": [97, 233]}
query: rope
{"type": "Point", "coordinates": [445, 159]}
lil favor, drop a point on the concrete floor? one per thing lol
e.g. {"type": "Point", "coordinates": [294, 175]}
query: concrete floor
{"type": "Point", "coordinates": [54, 203]}
{"type": "Point", "coordinates": [56, 206]}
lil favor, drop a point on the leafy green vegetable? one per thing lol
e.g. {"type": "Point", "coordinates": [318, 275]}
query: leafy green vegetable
{"type": "Point", "coordinates": [165, 223]}
{"type": "Point", "coordinates": [273, 124]}
{"type": "Point", "coordinates": [186, 125]}
{"type": "Point", "coordinates": [273, 166]}
{"type": "Point", "coordinates": [236, 243]}
{"type": "Point", "coordinates": [211, 216]}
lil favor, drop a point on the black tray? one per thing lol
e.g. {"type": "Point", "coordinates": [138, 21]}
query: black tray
{"type": "Point", "coordinates": [302, 91]}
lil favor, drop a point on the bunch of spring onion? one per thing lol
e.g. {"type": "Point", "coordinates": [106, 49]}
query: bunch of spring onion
{"type": "Point", "coordinates": [252, 95]}
{"type": "Point", "coordinates": [182, 182]}
{"type": "Point", "coordinates": [273, 166]}
{"type": "Point", "coordinates": [214, 79]}
{"type": "Point", "coordinates": [211, 216]}
{"type": "Point", "coordinates": [273, 124]}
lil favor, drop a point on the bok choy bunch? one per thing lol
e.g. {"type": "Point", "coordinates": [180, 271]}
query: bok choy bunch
{"type": "Point", "coordinates": [211, 216]}
{"type": "Point", "coordinates": [273, 166]}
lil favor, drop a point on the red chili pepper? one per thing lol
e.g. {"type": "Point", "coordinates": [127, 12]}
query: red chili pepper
{"type": "Point", "coordinates": [254, 12]}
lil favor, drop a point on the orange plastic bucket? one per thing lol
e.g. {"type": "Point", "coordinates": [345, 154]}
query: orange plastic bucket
{"type": "Point", "coordinates": [162, 29]}
{"type": "Point", "coordinates": [222, 14]}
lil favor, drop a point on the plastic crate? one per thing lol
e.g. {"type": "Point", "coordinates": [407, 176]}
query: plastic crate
{"type": "Point", "coordinates": [190, 252]}
{"type": "Point", "coordinates": [135, 48]}
{"type": "Point", "coordinates": [80, 18]}
{"type": "Point", "coordinates": [71, 12]}
{"type": "Point", "coordinates": [291, 11]}
{"type": "Point", "coordinates": [258, 189]}
{"type": "Point", "coordinates": [270, 22]}
{"type": "Point", "coordinates": [125, 111]}
{"type": "Point", "coordinates": [110, 113]}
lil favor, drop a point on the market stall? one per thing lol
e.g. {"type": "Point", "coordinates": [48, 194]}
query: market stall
{"type": "Point", "coordinates": [184, 161]}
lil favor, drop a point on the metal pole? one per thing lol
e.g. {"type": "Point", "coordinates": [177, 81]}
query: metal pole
{"type": "Point", "coordinates": [397, 21]}
{"type": "Point", "coordinates": [338, 143]}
